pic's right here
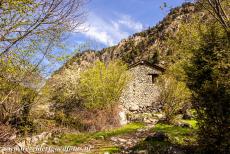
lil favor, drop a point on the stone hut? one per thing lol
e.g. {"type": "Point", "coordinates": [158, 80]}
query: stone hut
{"type": "Point", "coordinates": [140, 95]}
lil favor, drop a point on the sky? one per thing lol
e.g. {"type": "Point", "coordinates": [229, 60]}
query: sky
{"type": "Point", "coordinates": [109, 21]}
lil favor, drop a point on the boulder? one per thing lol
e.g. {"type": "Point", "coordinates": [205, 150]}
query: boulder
{"type": "Point", "coordinates": [158, 136]}
{"type": "Point", "coordinates": [114, 139]}
{"type": "Point", "coordinates": [142, 152]}
{"type": "Point", "coordinates": [123, 118]}
{"type": "Point", "coordinates": [134, 108]}
{"type": "Point", "coordinates": [122, 140]}
{"type": "Point", "coordinates": [34, 140]}
{"type": "Point", "coordinates": [184, 125]}
{"type": "Point", "coordinates": [187, 116]}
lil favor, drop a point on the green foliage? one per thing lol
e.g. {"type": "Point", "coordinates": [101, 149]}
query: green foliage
{"type": "Point", "coordinates": [87, 99]}
{"type": "Point", "coordinates": [174, 95]}
{"type": "Point", "coordinates": [65, 88]}
{"type": "Point", "coordinates": [178, 138]}
{"type": "Point", "coordinates": [209, 78]}
{"type": "Point", "coordinates": [101, 85]}
{"type": "Point", "coordinates": [155, 58]}
{"type": "Point", "coordinates": [21, 6]}
{"type": "Point", "coordinates": [191, 122]}
{"type": "Point", "coordinates": [111, 150]}
{"type": "Point", "coordinates": [203, 52]}
{"type": "Point", "coordinates": [68, 121]}
{"type": "Point", "coordinates": [75, 139]}
{"type": "Point", "coordinates": [16, 111]}
{"type": "Point", "coordinates": [176, 134]}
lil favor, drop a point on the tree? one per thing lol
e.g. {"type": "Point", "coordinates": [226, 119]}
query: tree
{"type": "Point", "coordinates": [86, 98]}
{"type": "Point", "coordinates": [208, 78]}
{"type": "Point", "coordinates": [101, 85]}
{"type": "Point", "coordinates": [30, 32]}
{"type": "Point", "coordinates": [174, 96]}
{"type": "Point", "coordinates": [64, 89]}
{"type": "Point", "coordinates": [28, 21]}
{"type": "Point", "coordinates": [219, 9]}
{"type": "Point", "coordinates": [203, 49]}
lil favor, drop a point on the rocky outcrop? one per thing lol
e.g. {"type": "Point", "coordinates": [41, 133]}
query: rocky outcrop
{"type": "Point", "coordinates": [40, 139]}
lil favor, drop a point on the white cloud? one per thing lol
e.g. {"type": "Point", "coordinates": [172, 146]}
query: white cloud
{"type": "Point", "coordinates": [126, 20]}
{"type": "Point", "coordinates": [110, 32]}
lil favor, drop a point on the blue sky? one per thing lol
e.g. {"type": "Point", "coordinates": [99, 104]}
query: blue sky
{"type": "Point", "coordinates": [110, 21]}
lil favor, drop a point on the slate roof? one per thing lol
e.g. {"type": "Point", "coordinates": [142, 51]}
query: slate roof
{"type": "Point", "coordinates": [146, 63]}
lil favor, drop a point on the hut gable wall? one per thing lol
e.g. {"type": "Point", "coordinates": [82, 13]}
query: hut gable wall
{"type": "Point", "coordinates": [141, 93]}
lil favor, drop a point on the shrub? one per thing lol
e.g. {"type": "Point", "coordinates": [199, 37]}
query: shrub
{"type": "Point", "coordinates": [209, 79]}
{"type": "Point", "coordinates": [174, 95]}
{"type": "Point", "coordinates": [87, 100]}
{"type": "Point", "coordinates": [6, 135]}
{"type": "Point", "coordinates": [102, 85]}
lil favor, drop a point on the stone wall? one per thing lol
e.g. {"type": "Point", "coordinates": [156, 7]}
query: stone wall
{"type": "Point", "coordinates": [140, 95]}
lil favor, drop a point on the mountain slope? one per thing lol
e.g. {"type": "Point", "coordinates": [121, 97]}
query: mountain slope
{"type": "Point", "coordinates": [144, 45]}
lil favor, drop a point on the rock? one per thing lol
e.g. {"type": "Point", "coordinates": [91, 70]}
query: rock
{"type": "Point", "coordinates": [114, 139]}
{"type": "Point", "coordinates": [56, 140]}
{"type": "Point", "coordinates": [122, 140]}
{"type": "Point", "coordinates": [187, 116]}
{"type": "Point", "coordinates": [22, 144]}
{"type": "Point", "coordinates": [142, 152]}
{"type": "Point", "coordinates": [34, 140]}
{"type": "Point", "coordinates": [174, 150]}
{"type": "Point", "coordinates": [187, 140]}
{"type": "Point", "coordinates": [42, 136]}
{"type": "Point", "coordinates": [123, 118]}
{"type": "Point", "coordinates": [129, 143]}
{"type": "Point", "coordinates": [159, 136]}
{"type": "Point", "coordinates": [134, 108]}
{"type": "Point", "coordinates": [92, 129]}
{"type": "Point", "coordinates": [13, 137]}
{"type": "Point", "coordinates": [184, 125]}
{"type": "Point", "coordinates": [159, 116]}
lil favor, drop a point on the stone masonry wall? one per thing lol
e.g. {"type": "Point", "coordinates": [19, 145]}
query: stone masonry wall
{"type": "Point", "coordinates": [140, 95]}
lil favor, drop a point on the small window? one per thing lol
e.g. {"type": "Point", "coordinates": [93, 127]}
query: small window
{"type": "Point", "coordinates": [154, 76]}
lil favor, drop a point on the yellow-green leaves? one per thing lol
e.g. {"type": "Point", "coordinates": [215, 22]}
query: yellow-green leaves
{"type": "Point", "coordinates": [102, 84]}
{"type": "Point", "coordinates": [174, 95]}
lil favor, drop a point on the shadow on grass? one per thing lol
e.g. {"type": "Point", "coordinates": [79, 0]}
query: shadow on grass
{"type": "Point", "coordinates": [178, 140]}
{"type": "Point", "coordinates": [76, 139]}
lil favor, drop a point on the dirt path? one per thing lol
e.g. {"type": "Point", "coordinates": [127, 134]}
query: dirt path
{"type": "Point", "coordinates": [123, 142]}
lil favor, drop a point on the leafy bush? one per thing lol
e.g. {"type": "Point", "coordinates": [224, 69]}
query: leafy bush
{"type": "Point", "coordinates": [87, 100]}
{"type": "Point", "coordinates": [204, 48]}
{"type": "Point", "coordinates": [209, 77]}
{"type": "Point", "coordinates": [174, 95]}
{"type": "Point", "coordinates": [16, 102]}
{"type": "Point", "coordinates": [101, 85]}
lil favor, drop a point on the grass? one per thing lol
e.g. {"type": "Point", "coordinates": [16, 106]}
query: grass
{"type": "Point", "coordinates": [75, 139]}
{"type": "Point", "coordinates": [110, 150]}
{"type": "Point", "coordinates": [178, 137]}
{"type": "Point", "coordinates": [176, 134]}
{"type": "Point", "coordinates": [192, 123]}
